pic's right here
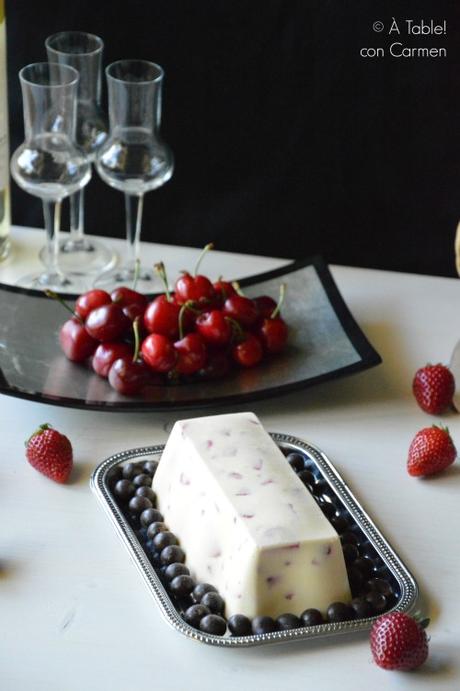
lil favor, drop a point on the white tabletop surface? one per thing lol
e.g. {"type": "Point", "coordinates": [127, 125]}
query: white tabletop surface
{"type": "Point", "coordinates": [75, 613]}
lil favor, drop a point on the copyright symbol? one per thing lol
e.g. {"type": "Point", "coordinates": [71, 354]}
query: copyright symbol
{"type": "Point", "coordinates": [378, 26]}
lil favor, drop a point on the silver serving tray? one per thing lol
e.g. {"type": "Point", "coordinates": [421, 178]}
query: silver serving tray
{"type": "Point", "coordinates": [408, 588]}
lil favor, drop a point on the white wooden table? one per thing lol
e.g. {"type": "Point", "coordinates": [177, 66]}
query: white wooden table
{"type": "Point", "coordinates": [75, 614]}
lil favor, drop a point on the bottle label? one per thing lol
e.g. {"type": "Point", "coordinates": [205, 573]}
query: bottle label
{"type": "Point", "coordinates": [4, 154]}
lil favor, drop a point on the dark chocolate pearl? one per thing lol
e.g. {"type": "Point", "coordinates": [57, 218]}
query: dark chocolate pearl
{"type": "Point", "coordinates": [162, 540]}
{"type": "Point", "coordinates": [148, 492]}
{"type": "Point", "coordinates": [321, 487]}
{"type": "Point", "coordinates": [155, 528]}
{"type": "Point", "coordinates": [182, 585]}
{"type": "Point", "coordinates": [339, 611]}
{"type": "Point", "coordinates": [340, 523]}
{"type": "Point", "coordinates": [296, 461]}
{"type": "Point", "coordinates": [306, 477]}
{"type": "Point", "coordinates": [311, 617]}
{"type": "Point", "coordinates": [130, 470]}
{"type": "Point", "coordinates": [350, 552]}
{"type": "Point", "coordinates": [142, 480]}
{"type": "Point", "coordinates": [362, 608]}
{"type": "Point", "coordinates": [377, 601]}
{"type": "Point", "coordinates": [150, 467]}
{"type": "Point", "coordinates": [239, 625]}
{"type": "Point", "coordinates": [149, 516]}
{"type": "Point", "coordinates": [171, 554]}
{"type": "Point", "coordinates": [194, 614]}
{"type": "Point", "coordinates": [349, 538]}
{"type": "Point", "coordinates": [327, 509]}
{"type": "Point", "coordinates": [380, 585]}
{"type": "Point", "coordinates": [138, 504]}
{"type": "Point", "coordinates": [285, 622]}
{"type": "Point", "coordinates": [200, 589]}
{"type": "Point", "coordinates": [174, 570]}
{"type": "Point", "coordinates": [212, 623]}
{"type": "Point", "coordinates": [124, 489]}
{"type": "Point", "coordinates": [214, 601]}
{"type": "Point", "coordinates": [356, 580]}
{"type": "Point", "coordinates": [365, 565]}
{"type": "Point", "coordinates": [262, 625]}
{"type": "Point", "coordinates": [114, 474]}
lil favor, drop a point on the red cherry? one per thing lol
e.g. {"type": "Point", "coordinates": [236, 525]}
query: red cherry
{"type": "Point", "coordinates": [106, 354]}
{"type": "Point", "coordinates": [162, 317]}
{"type": "Point", "coordinates": [223, 290]}
{"type": "Point", "coordinates": [124, 296]}
{"type": "Point", "coordinates": [134, 311]}
{"type": "Point", "coordinates": [107, 323]}
{"type": "Point", "coordinates": [75, 341]}
{"type": "Point", "coordinates": [214, 328]}
{"type": "Point", "coordinates": [191, 352]}
{"type": "Point", "coordinates": [242, 309]}
{"type": "Point", "coordinates": [216, 367]}
{"type": "Point", "coordinates": [128, 377]}
{"type": "Point", "coordinates": [193, 288]}
{"type": "Point", "coordinates": [159, 353]}
{"type": "Point", "coordinates": [90, 300]}
{"type": "Point", "coordinates": [274, 334]}
{"type": "Point", "coordinates": [248, 352]}
{"type": "Point", "coordinates": [265, 305]}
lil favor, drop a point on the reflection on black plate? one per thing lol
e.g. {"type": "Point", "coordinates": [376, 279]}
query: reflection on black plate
{"type": "Point", "coordinates": [325, 342]}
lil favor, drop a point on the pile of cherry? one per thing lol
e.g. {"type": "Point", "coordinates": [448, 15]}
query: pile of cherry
{"type": "Point", "coordinates": [202, 330]}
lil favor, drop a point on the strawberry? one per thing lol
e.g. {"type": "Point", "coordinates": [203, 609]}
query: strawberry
{"type": "Point", "coordinates": [433, 387]}
{"type": "Point", "coordinates": [431, 451]}
{"type": "Point", "coordinates": [50, 452]}
{"type": "Point", "coordinates": [398, 642]}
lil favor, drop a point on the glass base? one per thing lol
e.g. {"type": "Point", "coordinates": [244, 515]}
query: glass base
{"type": "Point", "coordinates": [147, 280]}
{"type": "Point", "coordinates": [84, 256]}
{"type": "Point", "coordinates": [53, 281]}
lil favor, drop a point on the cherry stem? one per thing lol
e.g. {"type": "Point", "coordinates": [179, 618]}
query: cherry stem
{"type": "Point", "coordinates": [237, 288]}
{"type": "Point", "coordinates": [137, 272]}
{"type": "Point", "coordinates": [137, 339]}
{"type": "Point", "coordinates": [55, 296]}
{"type": "Point", "coordinates": [189, 305]}
{"type": "Point", "coordinates": [204, 251]}
{"type": "Point", "coordinates": [161, 271]}
{"type": "Point", "coordinates": [237, 331]}
{"type": "Point", "coordinates": [277, 309]}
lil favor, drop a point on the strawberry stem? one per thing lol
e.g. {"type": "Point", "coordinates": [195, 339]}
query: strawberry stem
{"type": "Point", "coordinates": [55, 296]}
{"type": "Point", "coordinates": [161, 271]}
{"type": "Point", "coordinates": [277, 309]}
{"type": "Point", "coordinates": [204, 251]}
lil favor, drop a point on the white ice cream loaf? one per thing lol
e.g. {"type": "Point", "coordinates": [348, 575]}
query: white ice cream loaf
{"type": "Point", "coordinates": [245, 520]}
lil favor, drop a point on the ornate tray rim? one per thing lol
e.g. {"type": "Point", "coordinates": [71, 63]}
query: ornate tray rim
{"type": "Point", "coordinates": [409, 588]}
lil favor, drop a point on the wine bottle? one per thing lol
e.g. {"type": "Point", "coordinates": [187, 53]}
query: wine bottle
{"type": "Point", "coordinates": [4, 149]}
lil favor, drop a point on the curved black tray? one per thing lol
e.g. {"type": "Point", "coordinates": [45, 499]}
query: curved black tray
{"type": "Point", "coordinates": [325, 342]}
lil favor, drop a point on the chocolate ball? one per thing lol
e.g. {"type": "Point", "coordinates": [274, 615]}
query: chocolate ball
{"type": "Point", "coordinates": [286, 622]}
{"type": "Point", "coordinates": [194, 614]}
{"type": "Point", "coordinates": [213, 624]}
{"type": "Point", "coordinates": [239, 625]}
{"type": "Point", "coordinates": [311, 617]}
{"type": "Point", "coordinates": [262, 624]}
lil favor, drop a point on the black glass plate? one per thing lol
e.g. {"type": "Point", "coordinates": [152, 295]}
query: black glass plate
{"type": "Point", "coordinates": [324, 342]}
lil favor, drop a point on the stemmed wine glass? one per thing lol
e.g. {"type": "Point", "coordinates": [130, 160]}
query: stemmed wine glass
{"type": "Point", "coordinates": [133, 159]}
{"type": "Point", "coordinates": [83, 51]}
{"type": "Point", "coordinates": [48, 164]}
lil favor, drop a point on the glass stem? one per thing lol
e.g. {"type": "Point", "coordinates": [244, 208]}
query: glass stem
{"type": "Point", "coordinates": [52, 216]}
{"type": "Point", "coordinates": [77, 216]}
{"type": "Point", "coordinates": [134, 205]}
